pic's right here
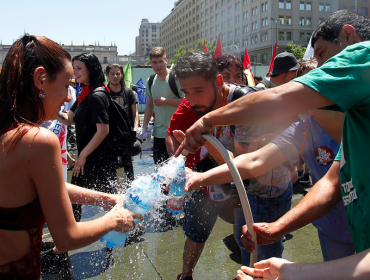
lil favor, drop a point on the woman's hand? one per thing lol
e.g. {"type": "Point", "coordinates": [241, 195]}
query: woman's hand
{"type": "Point", "coordinates": [124, 218]}
{"type": "Point", "coordinates": [194, 180]}
{"type": "Point", "coordinates": [271, 269]}
{"type": "Point", "coordinates": [79, 165]}
{"type": "Point", "coordinates": [112, 200]}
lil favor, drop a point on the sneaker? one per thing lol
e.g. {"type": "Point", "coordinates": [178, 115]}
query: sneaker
{"type": "Point", "coordinates": [305, 178]}
{"type": "Point", "coordinates": [186, 278]}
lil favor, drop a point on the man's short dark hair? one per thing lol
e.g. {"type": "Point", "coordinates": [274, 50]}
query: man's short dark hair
{"type": "Point", "coordinates": [157, 52]}
{"type": "Point", "coordinates": [199, 63]}
{"type": "Point", "coordinates": [330, 28]}
{"type": "Point", "coordinates": [226, 60]}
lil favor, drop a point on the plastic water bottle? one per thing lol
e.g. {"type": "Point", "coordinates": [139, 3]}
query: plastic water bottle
{"type": "Point", "coordinates": [176, 191]}
{"type": "Point", "coordinates": [140, 197]}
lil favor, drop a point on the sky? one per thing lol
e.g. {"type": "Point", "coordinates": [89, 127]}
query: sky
{"type": "Point", "coordinates": [66, 21]}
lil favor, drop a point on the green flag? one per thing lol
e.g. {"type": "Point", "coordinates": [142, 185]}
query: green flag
{"type": "Point", "coordinates": [105, 80]}
{"type": "Point", "coordinates": [128, 77]}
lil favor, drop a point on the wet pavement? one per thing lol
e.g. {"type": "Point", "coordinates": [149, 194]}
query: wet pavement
{"type": "Point", "coordinates": [159, 255]}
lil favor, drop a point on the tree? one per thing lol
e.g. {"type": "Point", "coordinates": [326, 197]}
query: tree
{"type": "Point", "coordinates": [147, 62]}
{"type": "Point", "coordinates": [211, 46]}
{"type": "Point", "coordinates": [297, 50]}
{"type": "Point", "coordinates": [179, 53]}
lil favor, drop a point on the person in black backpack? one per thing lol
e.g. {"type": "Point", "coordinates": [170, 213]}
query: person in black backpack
{"type": "Point", "coordinates": [95, 167]}
{"type": "Point", "coordinates": [128, 100]}
{"type": "Point", "coordinates": [163, 98]}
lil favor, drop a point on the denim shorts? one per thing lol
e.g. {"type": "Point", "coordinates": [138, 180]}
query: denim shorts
{"type": "Point", "coordinates": [264, 210]}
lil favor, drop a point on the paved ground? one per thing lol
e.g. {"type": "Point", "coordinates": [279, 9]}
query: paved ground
{"type": "Point", "coordinates": [160, 255]}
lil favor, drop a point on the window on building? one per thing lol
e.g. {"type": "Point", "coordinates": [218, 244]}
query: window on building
{"type": "Point", "coordinates": [281, 19]}
{"type": "Point", "coordinates": [264, 59]}
{"type": "Point", "coordinates": [230, 34]}
{"type": "Point", "coordinates": [245, 2]}
{"type": "Point", "coordinates": [237, 18]}
{"type": "Point", "coordinates": [302, 36]}
{"type": "Point", "coordinates": [327, 8]}
{"type": "Point", "coordinates": [364, 11]}
{"type": "Point", "coordinates": [281, 4]}
{"type": "Point", "coordinates": [253, 26]}
{"type": "Point", "coordinates": [252, 40]}
{"type": "Point", "coordinates": [321, 7]}
{"type": "Point", "coordinates": [288, 20]}
{"type": "Point", "coordinates": [263, 7]}
{"type": "Point", "coordinates": [237, 6]}
{"type": "Point", "coordinates": [217, 27]}
{"type": "Point", "coordinates": [223, 25]}
{"type": "Point", "coordinates": [255, 39]}
{"type": "Point", "coordinates": [223, 13]}
{"type": "Point", "coordinates": [266, 37]}
{"type": "Point", "coordinates": [230, 22]}
{"type": "Point", "coordinates": [308, 21]}
{"type": "Point", "coordinates": [288, 4]}
{"type": "Point", "coordinates": [308, 6]}
{"type": "Point", "coordinates": [217, 16]}
{"type": "Point", "coordinates": [267, 6]}
{"type": "Point", "coordinates": [223, 37]}
{"type": "Point", "coordinates": [301, 21]}
{"type": "Point", "coordinates": [229, 9]}
{"type": "Point", "coordinates": [301, 6]}
{"type": "Point", "coordinates": [237, 32]}
{"type": "Point", "coordinates": [308, 36]}
{"type": "Point", "coordinates": [211, 30]}
{"type": "Point", "coordinates": [281, 36]}
{"type": "Point", "coordinates": [245, 15]}
{"type": "Point", "coordinates": [289, 36]}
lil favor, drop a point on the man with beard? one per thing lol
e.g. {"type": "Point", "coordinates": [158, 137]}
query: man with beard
{"type": "Point", "coordinates": [205, 90]}
{"type": "Point", "coordinates": [128, 100]}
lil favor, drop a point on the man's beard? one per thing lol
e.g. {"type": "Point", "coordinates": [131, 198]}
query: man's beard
{"type": "Point", "coordinates": [115, 84]}
{"type": "Point", "coordinates": [208, 109]}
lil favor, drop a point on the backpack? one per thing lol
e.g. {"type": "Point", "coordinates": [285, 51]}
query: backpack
{"type": "Point", "coordinates": [121, 137]}
{"type": "Point", "coordinates": [171, 81]}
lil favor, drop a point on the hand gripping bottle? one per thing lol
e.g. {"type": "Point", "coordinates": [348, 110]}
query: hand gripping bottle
{"type": "Point", "coordinates": [176, 202]}
{"type": "Point", "coordinates": [140, 197]}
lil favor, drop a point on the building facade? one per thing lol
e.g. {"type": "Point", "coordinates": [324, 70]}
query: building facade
{"type": "Point", "coordinates": [149, 37]}
{"type": "Point", "coordinates": [105, 54]}
{"type": "Point", "coordinates": [251, 24]}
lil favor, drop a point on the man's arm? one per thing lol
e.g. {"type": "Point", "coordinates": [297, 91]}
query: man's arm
{"type": "Point", "coordinates": [249, 165]}
{"type": "Point", "coordinates": [322, 197]}
{"type": "Point", "coordinates": [148, 112]}
{"type": "Point", "coordinates": [276, 104]}
{"type": "Point", "coordinates": [171, 144]}
{"type": "Point", "coordinates": [352, 267]}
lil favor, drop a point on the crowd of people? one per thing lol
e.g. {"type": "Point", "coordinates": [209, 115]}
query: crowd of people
{"type": "Point", "coordinates": [260, 126]}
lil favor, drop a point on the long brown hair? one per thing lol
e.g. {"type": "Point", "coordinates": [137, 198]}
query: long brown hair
{"type": "Point", "coordinates": [20, 104]}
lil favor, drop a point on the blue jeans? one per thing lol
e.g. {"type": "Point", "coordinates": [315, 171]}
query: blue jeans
{"type": "Point", "coordinates": [333, 250]}
{"type": "Point", "coordinates": [264, 210]}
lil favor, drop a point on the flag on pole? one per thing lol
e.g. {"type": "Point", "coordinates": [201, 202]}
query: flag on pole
{"type": "Point", "coordinates": [309, 53]}
{"type": "Point", "coordinates": [128, 77]}
{"type": "Point", "coordinates": [272, 58]}
{"type": "Point", "coordinates": [205, 46]}
{"type": "Point", "coordinates": [141, 91]}
{"type": "Point", "coordinates": [218, 50]}
{"type": "Point", "coordinates": [247, 62]}
{"type": "Point", "coordinates": [106, 80]}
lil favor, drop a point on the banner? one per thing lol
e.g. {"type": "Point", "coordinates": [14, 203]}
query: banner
{"type": "Point", "coordinates": [205, 46]}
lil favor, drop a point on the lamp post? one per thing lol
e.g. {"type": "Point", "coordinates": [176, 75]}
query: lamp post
{"type": "Point", "coordinates": [236, 48]}
{"type": "Point", "coordinates": [272, 31]}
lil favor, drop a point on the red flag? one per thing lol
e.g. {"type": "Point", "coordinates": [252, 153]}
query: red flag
{"type": "Point", "coordinates": [205, 46]}
{"type": "Point", "coordinates": [272, 59]}
{"type": "Point", "coordinates": [247, 62]}
{"type": "Point", "coordinates": [218, 50]}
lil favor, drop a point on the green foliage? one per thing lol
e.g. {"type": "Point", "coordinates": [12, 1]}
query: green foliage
{"type": "Point", "coordinates": [297, 50]}
{"type": "Point", "coordinates": [179, 53]}
{"type": "Point", "coordinates": [211, 46]}
{"type": "Point", "coordinates": [147, 62]}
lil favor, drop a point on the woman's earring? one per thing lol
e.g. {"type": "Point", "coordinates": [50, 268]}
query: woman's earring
{"type": "Point", "coordinates": [42, 94]}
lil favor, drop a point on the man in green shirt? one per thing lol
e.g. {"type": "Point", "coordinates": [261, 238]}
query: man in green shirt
{"type": "Point", "coordinates": [343, 52]}
{"type": "Point", "coordinates": [162, 100]}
